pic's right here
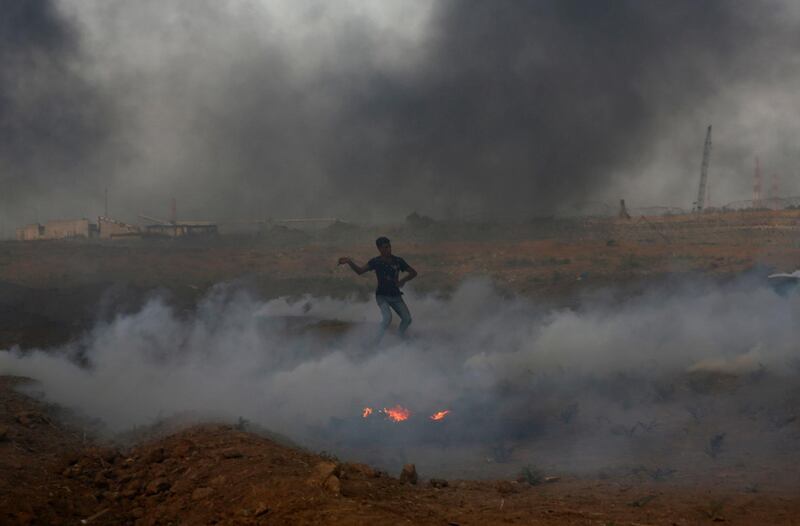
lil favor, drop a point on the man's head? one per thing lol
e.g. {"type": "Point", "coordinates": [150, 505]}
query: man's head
{"type": "Point", "coordinates": [384, 246]}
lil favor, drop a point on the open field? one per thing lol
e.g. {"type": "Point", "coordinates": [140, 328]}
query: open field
{"type": "Point", "coordinates": [699, 446]}
{"type": "Point", "coordinates": [53, 289]}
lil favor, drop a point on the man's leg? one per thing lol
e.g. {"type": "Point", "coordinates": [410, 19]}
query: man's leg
{"type": "Point", "coordinates": [386, 316]}
{"type": "Point", "coordinates": [401, 309]}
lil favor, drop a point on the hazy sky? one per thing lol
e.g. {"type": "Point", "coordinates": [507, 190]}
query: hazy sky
{"type": "Point", "coordinates": [369, 110]}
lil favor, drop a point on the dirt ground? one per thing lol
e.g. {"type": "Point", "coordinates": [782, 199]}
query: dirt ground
{"type": "Point", "coordinates": [218, 474]}
{"type": "Point", "coordinates": [50, 291]}
{"type": "Point", "coordinates": [52, 472]}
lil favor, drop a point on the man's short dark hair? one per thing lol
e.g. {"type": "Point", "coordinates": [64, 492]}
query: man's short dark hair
{"type": "Point", "coordinates": [382, 241]}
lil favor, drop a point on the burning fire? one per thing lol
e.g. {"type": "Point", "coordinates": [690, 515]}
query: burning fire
{"type": "Point", "coordinates": [397, 413]}
{"type": "Point", "coordinates": [440, 415]}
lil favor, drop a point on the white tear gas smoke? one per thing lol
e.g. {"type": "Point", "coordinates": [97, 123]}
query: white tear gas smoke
{"type": "Point", "coordinates": [503, 365]}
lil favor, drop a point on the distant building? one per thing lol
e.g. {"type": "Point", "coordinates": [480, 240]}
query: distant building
{"type": "Point", "coordinates": [114, 229]}
{"type": "Point", "coordinates": [182, 228]}
{"type": "Point", "coordinates": [30, 232]}
{"type": "Point", "coordinates": [108, 228]}
{"type": "Point", "coordinates": [63, 229]}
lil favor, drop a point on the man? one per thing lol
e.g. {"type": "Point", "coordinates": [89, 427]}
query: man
{"type": "Point", "coordinates": [387, 269]}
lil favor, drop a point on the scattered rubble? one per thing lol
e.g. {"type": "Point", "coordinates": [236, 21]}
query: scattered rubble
{"type": "Point", "coordinates": [409, 474]}
{"type": "Point", "coordinates": [28, 418]}
{"type": "Point", "coordinates": [356, 471]}
{"type": "Point", "coordinates": [186, 478]}
{"type": "Point", "coordinates": [157, 486]}
{"type": "Point", "coordinates": [321, 472]}
{"type": "Point", "coordinates": [333, 485]}
{"type": "Point", "coordinates": [438, 483]}
{"type": "Point", "coordinates": [232, 453]}
{"type": "Point", "coordinates": [155, 456]}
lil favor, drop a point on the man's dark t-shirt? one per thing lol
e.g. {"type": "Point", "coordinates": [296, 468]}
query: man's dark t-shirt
{"type": "Point", "coordinates": [387, 271]}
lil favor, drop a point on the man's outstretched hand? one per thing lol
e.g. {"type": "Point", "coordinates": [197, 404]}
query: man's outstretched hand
{"type": "Point", "coordinates": [344, 260]}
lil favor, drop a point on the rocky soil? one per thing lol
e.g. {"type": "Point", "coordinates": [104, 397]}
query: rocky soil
{"type": "Point", "coordinates": [53, 470]}
{"type": "Point", "coordinates": [50, 473]}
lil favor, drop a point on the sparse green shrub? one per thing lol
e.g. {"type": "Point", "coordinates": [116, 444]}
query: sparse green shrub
{"type": "Point", "coordinates": [532, 475]}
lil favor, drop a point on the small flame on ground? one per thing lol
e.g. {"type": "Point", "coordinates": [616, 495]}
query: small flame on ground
{"type": "Point", "coordinates": [366, 412]}
{"type": "Point", "coordinates": [440, 415]}
{"type": "Point", "coordinates": [397, 413]}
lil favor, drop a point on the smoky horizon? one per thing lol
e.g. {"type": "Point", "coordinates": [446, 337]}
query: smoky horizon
{"type": "Point", "coordinates": [457, 110]}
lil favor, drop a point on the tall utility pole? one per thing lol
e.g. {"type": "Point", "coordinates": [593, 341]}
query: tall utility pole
{"type": "Point", "coordinates": [701, 191]}
{"type": "Point", "coordinates": [774, 200]}
{"type": "Point", "coordinates": [106, 214]}
{"type": "Point", "coordinates": [757, 186]}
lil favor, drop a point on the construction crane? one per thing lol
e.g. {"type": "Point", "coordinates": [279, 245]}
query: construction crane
{"type": "Point", "coordinates": [701, 191]}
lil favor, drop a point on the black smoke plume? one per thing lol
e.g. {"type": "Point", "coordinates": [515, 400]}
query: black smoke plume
{"type": "Point", "coordinates": [498, 109]}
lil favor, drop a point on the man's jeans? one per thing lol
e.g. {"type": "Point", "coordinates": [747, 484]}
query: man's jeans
{"type": "Point", "coordinates": [397, 304]}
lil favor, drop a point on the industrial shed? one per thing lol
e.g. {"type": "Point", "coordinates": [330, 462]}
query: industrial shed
{"type": "Point", "coordinates": [61, 229]}
{"type": "Point", "coordinates": [113, 229]}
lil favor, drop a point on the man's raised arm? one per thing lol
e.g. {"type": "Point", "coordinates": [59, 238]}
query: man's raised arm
{"type": "Point", "coordinates": [357, 269]}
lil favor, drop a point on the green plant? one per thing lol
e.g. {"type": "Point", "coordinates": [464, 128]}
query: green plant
{"type": "Point", "coordinates": [532, 475]}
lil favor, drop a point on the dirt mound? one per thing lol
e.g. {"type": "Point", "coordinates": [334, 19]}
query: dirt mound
{"type": "Point", "coordinates": [33, 446]}
{"type": "Point", "coordinates": [218, 474]}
